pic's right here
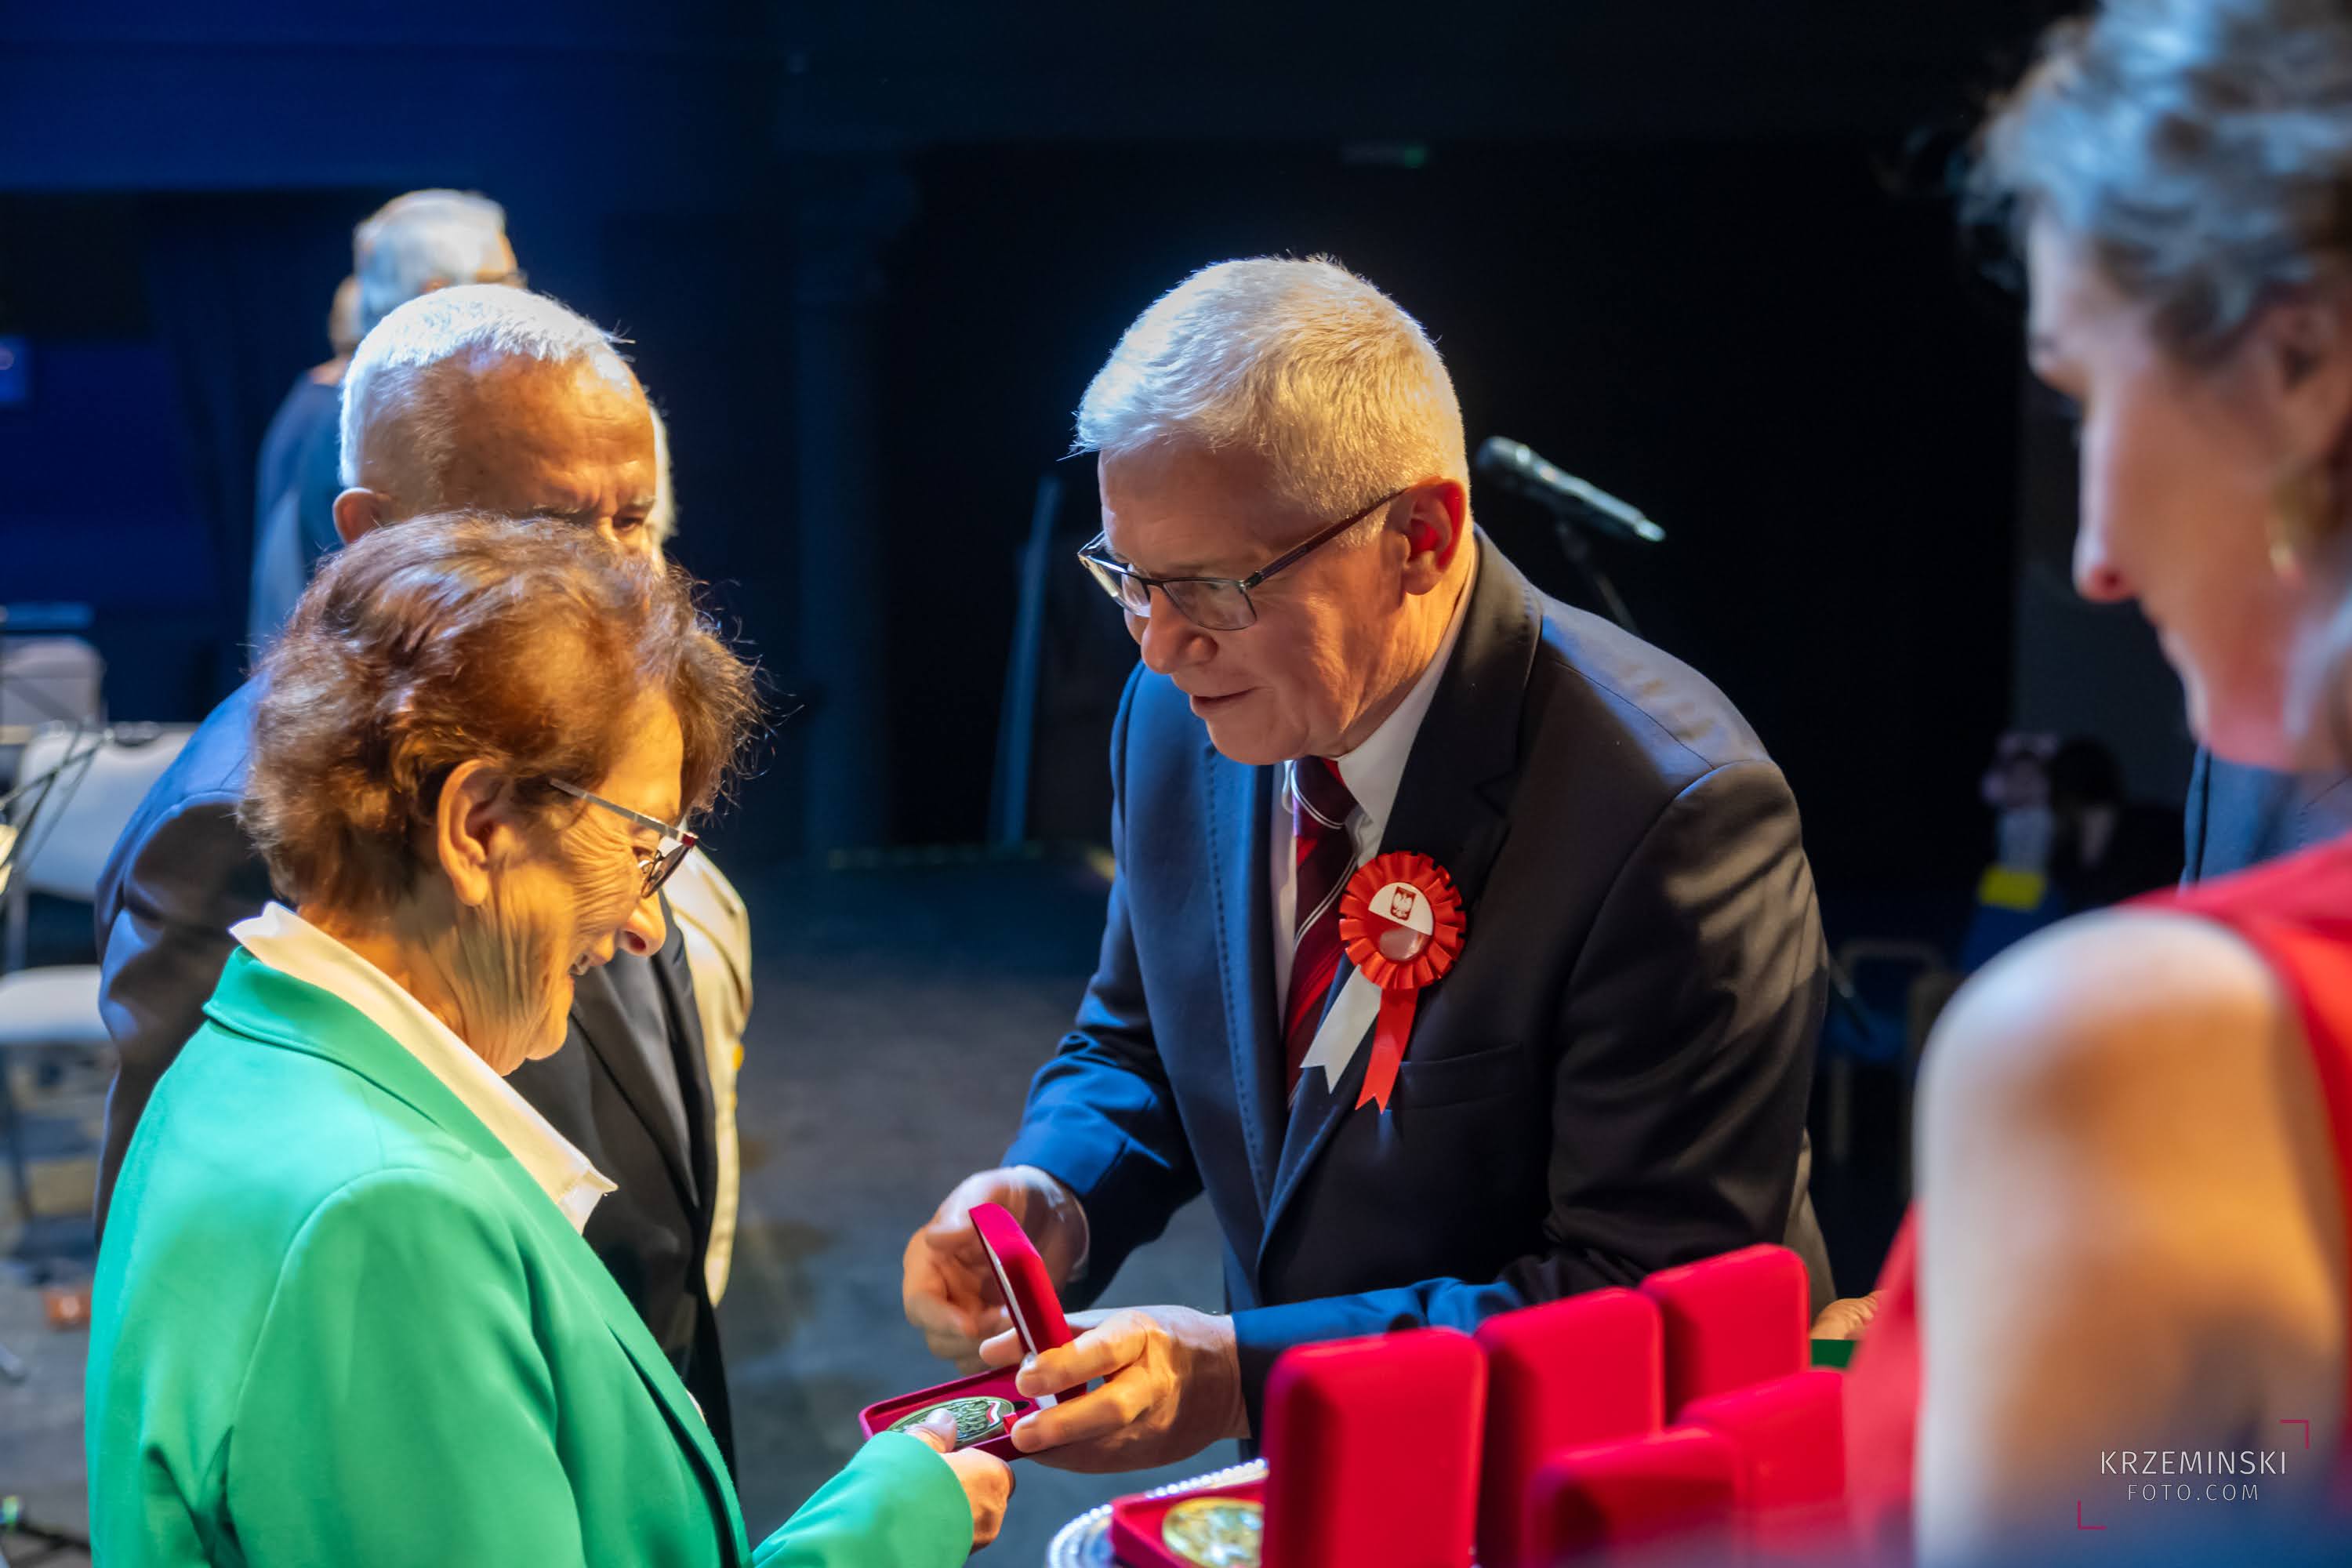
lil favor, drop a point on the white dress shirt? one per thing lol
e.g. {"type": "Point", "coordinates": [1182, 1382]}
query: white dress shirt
{"type": "Point", "coordinates": [1372, 773]}
{"type": "Point", "coordinates": [301, 950]}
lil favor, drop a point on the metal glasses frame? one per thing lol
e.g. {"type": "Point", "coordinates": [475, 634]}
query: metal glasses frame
{"type": "Point", "coordinates": [658, 866]}
{"type": "Point", "coordinates": [1115, 577]}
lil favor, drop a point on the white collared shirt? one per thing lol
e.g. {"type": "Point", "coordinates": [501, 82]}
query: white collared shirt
{"type": "Point", "coordinates": [1372, 772]}
{"type": "Point", "coordinates": [301, 950]}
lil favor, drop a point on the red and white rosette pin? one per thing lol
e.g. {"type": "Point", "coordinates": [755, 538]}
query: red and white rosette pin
{"type": "Point", "coordinates": [1400, 921]}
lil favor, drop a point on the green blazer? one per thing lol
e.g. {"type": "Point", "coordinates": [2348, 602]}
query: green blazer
{"type": "Point", "coordinates": [336, 1323]}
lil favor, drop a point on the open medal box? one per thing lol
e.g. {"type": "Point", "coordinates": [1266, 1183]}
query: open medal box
{"type": "Point", "coordinates": [987, 1403]}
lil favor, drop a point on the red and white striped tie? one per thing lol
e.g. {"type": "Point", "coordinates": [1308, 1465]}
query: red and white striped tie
{"type": "Point", "coordinates": [1320, 806]}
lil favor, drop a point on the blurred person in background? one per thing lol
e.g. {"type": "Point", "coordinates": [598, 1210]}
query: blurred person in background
{"type": "Point", "coordinates": [283, 552]}
{"type": "Point", "coordinates": [316, 397]}
{"type": "Point", "coordinates": [2108, 847]}
{"type": "Point", "coordinates": [488, 398]}
{"type": "Point", "coordinates": [2062, 822]}
{"type": "Point", "coordinates": [411, 246]}
{"type": "Point", "coordinates": [426, 240]}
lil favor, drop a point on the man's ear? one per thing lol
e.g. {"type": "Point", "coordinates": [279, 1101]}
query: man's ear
{"type": "Point", "coordinates": [359, 512]}
{"type": "Point", "coordinates": [471, 824]}
{"type": "Point", "coordinates": [1434, 530]}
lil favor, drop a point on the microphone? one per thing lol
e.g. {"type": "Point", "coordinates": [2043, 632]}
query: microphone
{"type": "Point", "coordinates": [1518, 467]}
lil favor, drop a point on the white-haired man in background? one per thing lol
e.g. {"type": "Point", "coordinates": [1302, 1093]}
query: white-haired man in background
{"type": "Point", "coordinates": [478, 398]}
{"type": "Point", "coordinates": [409, 245]}
{"type": "Point", "coordinates": [1612, 1076]}
{"type": "Point", "coordinates": [426, 240]}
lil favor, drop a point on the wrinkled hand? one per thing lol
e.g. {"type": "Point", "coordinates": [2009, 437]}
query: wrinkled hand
{"type": "Point", "coordinates": [947, 1287]}
{"type": "Point", "coordinates": [987, 1480]}
{"type": "Point", "coordinates": [1171, 1386]}
{"type": "Point", "coordinates": [1848, 1318]}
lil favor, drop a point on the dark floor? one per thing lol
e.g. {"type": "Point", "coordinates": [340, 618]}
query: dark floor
{"type": "Point", "coordinates": [899, 1012]}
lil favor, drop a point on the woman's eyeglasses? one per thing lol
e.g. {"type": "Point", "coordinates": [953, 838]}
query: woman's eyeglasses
{"type": "Point", "coordinates": [664, 860]}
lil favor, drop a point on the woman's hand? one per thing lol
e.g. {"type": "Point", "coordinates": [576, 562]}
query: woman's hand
{"type": "Point", "coordinates": [987, 1480]}
{"type": "Point", "coordinates": [1848, 1318]}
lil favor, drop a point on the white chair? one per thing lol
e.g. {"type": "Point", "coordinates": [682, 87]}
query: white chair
{"type": "Point", "coordinates": [76, 792]}
{"type": "Point", "coordinates": [46, 680]}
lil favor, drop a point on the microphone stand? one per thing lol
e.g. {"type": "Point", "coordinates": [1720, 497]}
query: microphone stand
{"type": "Point", "coordinates": [1578, 551]}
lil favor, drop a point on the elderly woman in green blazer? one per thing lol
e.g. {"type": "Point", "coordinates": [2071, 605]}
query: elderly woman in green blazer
{"type": "Point", "coordinates": [343, 1313]}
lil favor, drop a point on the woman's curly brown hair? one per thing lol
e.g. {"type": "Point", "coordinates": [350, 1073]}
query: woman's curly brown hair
{"type": "Point", "coordinates": [524, 643]}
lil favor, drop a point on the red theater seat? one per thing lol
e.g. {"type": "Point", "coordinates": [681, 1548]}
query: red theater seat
{"type": "Point", "coordinates": [1566, 1374]}
{"type": "Point", "coordinates": [1610, 1501]}
{"type": "Point", "coordinates": [1731, 1321]}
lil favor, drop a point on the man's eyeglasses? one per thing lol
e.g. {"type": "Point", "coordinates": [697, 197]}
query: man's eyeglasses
{"type": "Point", "coordinates": [658, 866]}
{"type": "Point", "coordinates": [1213, 603]}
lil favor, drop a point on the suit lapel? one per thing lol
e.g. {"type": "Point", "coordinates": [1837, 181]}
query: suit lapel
{"type": "Point", "coordinates": [603, 1027]}
{"type": "Point", "coordinates": [257, 1001]}
{"type": "Point", "coordinates": [1240, 801]}
{"type": "Point", "coordinates": [685, 1040]}
{"type": "Point", "coordinates": [1450, 806]}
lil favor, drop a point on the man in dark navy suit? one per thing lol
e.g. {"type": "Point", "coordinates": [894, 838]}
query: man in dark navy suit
{"type": "Point", "coordinates": [493, 399]}
{"type": "Point", "coordinates": [1612, 1076]}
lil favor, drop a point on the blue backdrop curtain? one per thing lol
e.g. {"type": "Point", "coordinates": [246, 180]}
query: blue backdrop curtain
{"type": "Point", "coordinates": [238, 286]}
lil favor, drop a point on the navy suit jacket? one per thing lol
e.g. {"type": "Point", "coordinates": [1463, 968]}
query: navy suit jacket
{"type": "Point", "coordinates": [2239, 817]}
{"type": "Point", "coordinates": [294, 490]}
{"type": "Point", "coordinates": [184, 872]}
{"type": "Point", "coordinates": [1613, 1078]}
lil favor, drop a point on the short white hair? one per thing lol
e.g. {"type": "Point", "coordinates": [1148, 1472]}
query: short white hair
{"type": "Point", "coordinates": [406, 244]}
{"type": "Point", "coordinates": [391, 379]}
{"type": "Point", "coordinates": [1301, 360]}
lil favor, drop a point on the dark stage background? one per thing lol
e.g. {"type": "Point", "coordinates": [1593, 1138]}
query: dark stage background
{"type": "Point", "coordinates": [1696, 253]}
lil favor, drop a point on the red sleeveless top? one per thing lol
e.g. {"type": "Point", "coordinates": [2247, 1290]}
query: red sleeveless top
{"type": "Point", "coordinates": [2296, 913]}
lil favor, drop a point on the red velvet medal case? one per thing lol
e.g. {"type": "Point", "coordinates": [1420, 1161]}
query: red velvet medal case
{"type": "Point", "coordinates": [1036, 1312]}
{"type": "Point", "coordinates": [1371, 1452]}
